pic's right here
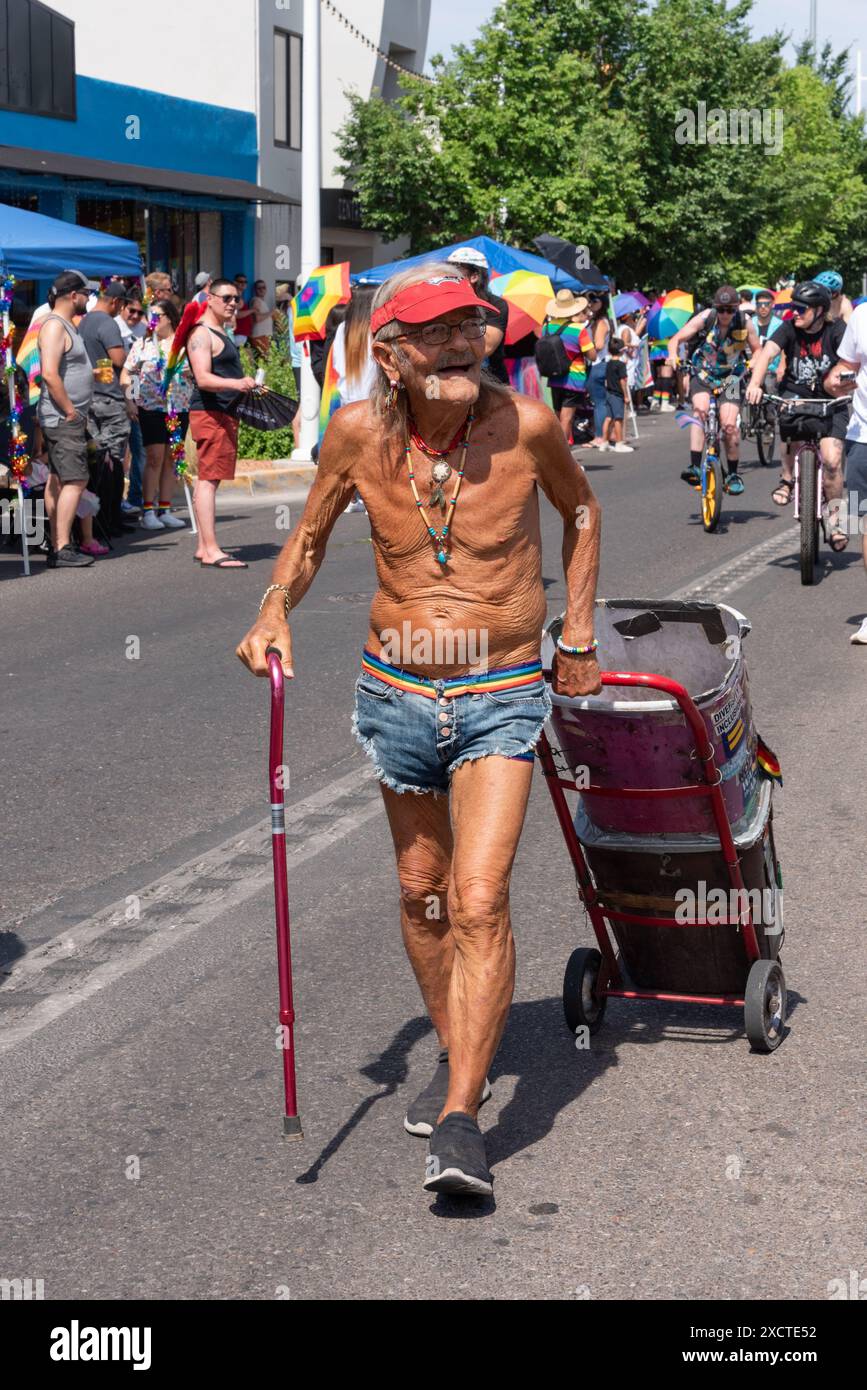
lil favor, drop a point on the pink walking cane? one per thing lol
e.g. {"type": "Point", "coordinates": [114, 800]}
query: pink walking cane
{"type": "Point", "coordinates": [291, 1120]}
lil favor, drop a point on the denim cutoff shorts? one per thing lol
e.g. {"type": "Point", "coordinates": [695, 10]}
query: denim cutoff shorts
{"type": "Point", "coordinates": [416, 740]}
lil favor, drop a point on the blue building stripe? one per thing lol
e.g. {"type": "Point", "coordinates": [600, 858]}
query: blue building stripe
{"type": "Point", "coordinates": [130, 126]}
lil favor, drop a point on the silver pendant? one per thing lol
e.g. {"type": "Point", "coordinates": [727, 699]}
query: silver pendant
{"type": "Point", "coordinates": [440, 474]}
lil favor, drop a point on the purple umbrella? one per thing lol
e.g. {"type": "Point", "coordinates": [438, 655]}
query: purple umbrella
{"type": "Point", "coordinates": [631, 303]}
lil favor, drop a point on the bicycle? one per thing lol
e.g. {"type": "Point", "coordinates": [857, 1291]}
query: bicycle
{"type": "Point", "coordinates": [809, 489]}
{"type": "Point", "coordinates": [710, 483]}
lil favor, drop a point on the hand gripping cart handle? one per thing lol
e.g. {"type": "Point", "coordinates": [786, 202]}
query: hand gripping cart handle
{"type": "Point", "coordinates": [291, 1120]}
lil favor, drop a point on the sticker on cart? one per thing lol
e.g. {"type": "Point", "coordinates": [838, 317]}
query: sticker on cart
{"type": "Point", "coordinates": [729, 723]}
{"type": "Point", "coordinates": [733, 767]}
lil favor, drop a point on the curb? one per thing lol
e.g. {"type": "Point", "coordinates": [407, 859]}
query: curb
{"type": "Point", "coordinates": [281, 476]}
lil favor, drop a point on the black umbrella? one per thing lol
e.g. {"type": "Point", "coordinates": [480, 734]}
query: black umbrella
{"type": "Point", "coordinates": [565, 255]}
{"type": "Point", "coordinates": [265, 409]}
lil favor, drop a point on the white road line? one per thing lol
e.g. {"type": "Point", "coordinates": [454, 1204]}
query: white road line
{"type": "Point", "coordinates": [735, 573]}
{"type": "Point", "coordinates": [175, 906]}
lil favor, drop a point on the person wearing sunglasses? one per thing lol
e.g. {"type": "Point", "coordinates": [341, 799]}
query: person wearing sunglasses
{"type": "Point", "coordinates": [726, 340]}
{"type": "Point", "coordinates": [219, 378]}
{"type": "Point", "coordinates": [811, 345]}
{"type": "Point", "coordinates": [450, 464]}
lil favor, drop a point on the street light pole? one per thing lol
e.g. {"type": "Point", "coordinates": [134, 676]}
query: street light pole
{"type": "Point", "coordinates": [813, 4]}
{"type": "Point", "coordinates": [311, 249]}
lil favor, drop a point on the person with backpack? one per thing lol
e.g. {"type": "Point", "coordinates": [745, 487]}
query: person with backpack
{"type": "Point", "coordinates": [562, 353]}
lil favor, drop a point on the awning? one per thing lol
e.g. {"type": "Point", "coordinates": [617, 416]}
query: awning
{"type": "Point", "coordinates": [35, 247]}
{"type": "Point", "coordinates": [177, 181]}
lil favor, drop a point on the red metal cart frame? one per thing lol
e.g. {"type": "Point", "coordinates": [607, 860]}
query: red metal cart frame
{"type": "Point", "coordinates": [609, 982]}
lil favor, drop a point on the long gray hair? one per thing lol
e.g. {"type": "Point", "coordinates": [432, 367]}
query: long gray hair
{"type": "Point", "coordinates": [394, 419]}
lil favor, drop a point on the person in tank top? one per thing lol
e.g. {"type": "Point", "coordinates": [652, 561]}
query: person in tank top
{"type": "Point", "coordinates": [219, 379]}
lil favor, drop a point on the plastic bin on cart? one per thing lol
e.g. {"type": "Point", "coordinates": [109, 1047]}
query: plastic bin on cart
{"type": "Point", "coordinates": [633, 738]}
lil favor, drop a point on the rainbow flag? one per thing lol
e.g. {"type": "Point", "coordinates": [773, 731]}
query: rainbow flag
{"type": "Point", "coordinates": [330, 398]}
{"type": "Point", "coordinates": [27, 357]}
{"type": "Point", "coordinates": [769, 763]}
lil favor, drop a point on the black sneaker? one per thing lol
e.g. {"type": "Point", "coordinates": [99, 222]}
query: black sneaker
{"type": "Point", "coordinates": [422, 1115]}
{"type": "Point", "coordinates": [69, 558]}
{"type": "Point", "coordinates": [691, 475]}
{"type": "Point", "coordinates": [456, 1163]}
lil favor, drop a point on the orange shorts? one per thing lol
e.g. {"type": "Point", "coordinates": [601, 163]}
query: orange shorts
{"type": "Point", "coordinates": [216, 438]}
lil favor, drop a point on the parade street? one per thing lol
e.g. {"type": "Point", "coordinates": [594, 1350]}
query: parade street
{"type": "Point", "coordinates": [140, 1078]}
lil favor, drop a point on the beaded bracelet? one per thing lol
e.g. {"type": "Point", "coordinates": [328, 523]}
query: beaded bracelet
{"type": "Point", "coordinates": [273, 588]}
{"type": "Point", "coordinates": [577, 651]}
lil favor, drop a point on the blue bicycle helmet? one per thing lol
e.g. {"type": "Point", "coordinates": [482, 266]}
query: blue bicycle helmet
{"type": "Point", "coordinates": [831, 280]}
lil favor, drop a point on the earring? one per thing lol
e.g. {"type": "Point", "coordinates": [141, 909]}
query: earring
{"type": "Point", "coordinates": [394, 389]}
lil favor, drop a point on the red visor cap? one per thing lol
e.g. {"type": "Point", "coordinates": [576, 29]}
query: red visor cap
{"type": "Point", "coordinates": [428, 300]}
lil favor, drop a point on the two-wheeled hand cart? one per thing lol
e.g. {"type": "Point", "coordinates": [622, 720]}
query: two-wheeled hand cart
{"type": "Point", "coordinates": [672, 841]}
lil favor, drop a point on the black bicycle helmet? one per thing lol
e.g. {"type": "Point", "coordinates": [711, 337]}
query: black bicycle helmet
{"type": "Point", "coordinates": [813, 295]}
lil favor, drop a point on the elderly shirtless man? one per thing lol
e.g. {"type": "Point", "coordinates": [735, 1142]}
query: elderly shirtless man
{"type": "Point", "coordinates": [448, 463]}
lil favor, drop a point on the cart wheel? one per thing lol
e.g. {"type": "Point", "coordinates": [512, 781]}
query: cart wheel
{"type": "Point", "coordinates": [580, 1005]}
{"type": "Point", "coordinates": [765, 1005]}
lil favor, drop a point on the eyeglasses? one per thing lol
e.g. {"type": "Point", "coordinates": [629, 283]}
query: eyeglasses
{"type": "Point", "coordinates": [801, 308]}
{"type": "Point", "coordinates": [228, 298]}
{"type": "Point", "coordinates": [724, 309]}
{"type": "Point", "coordinates": [436, 334]}
{"type": "Point", "coordinates": [135, 313]}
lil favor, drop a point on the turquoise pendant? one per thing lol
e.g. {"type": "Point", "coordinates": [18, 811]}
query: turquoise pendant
{"type": "Point", "coordinates": [442, 557]}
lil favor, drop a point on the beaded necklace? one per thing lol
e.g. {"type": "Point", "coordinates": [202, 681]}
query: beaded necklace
{"type": "Point", "coordinates": [441, 537]}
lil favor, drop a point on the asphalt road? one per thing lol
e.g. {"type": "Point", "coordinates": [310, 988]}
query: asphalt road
{"type": "Point", "coordinates": [140, 1082]}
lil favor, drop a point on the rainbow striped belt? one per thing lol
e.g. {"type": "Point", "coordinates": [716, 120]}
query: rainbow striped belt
{"type": "Point", "coordinates": [505, 678]}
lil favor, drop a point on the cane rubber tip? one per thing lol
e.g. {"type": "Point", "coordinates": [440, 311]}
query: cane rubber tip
{"type": "Point", "coordinates": [292, 1127]}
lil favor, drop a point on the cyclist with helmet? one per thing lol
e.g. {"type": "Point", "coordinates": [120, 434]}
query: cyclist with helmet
{"type": "Point", "coordinates": [811, 344]}
{"type": "Point", "coordinates": [474, 266]}
{"type": "Point", "coordinates": [726, 339]}
{"type": "Point", "coordinates": [841, 304]}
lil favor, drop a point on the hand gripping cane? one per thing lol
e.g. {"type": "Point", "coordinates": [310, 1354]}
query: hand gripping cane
{"type": "Point", "coordinates": [291, 1121]}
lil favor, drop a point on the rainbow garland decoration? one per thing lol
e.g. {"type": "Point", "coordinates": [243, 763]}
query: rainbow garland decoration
{"type": "Point", "coordinates": [19, 459]}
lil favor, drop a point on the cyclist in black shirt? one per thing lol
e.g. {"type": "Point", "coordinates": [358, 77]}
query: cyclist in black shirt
{"type": "Point", "coordinates": [811, 343]}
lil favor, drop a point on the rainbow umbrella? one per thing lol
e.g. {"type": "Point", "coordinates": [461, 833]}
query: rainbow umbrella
{"type": "Point", "coordinates": [669, 314]}
{"type": "Point", "coordinates": [324, 288]}
{"type": "Point", "coordinates": [783, 298]}
{"type": "Point", "coordinates": [527, 295]}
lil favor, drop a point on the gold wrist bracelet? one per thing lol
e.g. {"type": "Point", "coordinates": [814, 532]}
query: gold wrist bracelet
{"type": "Point", "coordinates": [287, 600]}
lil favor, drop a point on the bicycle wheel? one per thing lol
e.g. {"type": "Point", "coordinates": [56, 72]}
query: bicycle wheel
{"type": "Point", "coordinates": [711, 490]}
{"type": "Point", "coordinates": [808, 508]}
{"type": "Point", "coordinates": [766, 438]}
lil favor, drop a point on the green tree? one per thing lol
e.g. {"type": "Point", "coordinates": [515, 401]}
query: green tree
{"type": "Point", "coordinates": [566, 116]}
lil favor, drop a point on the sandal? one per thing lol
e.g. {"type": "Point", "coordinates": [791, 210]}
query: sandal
{"type": "Point", "coordinates": [784, 486]}
{"type": "Point", "coordinates": [833, 531]}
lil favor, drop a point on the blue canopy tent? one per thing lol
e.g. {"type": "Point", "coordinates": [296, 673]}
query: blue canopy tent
{"type": "Point", "coordinates": [501, 259]}
{"type": "Point", "coordinates": [34, 247]}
